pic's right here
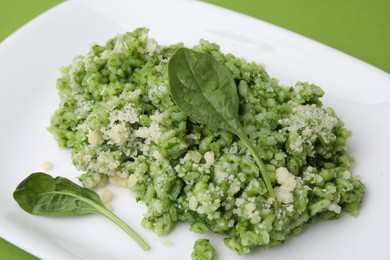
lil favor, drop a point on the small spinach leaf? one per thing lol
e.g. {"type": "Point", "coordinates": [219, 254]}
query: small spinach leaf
{"type": "Point", "coordinates": [205, 90]}
{"type": "Point", "coordinates": [41, 194]}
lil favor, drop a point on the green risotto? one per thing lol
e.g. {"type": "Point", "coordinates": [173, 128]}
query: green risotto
{"type": "Point", "coordinates": [118, 118]}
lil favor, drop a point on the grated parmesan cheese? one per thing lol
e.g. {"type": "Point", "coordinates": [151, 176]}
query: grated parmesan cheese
{"type": "Point", "coordinates": [287, 183]}
{"type": "Point", "coordinates": [209, 157]}
{"type": "Point", "coordinates": [94, 138]}
{"type": "Point", "coordinates": [117, 181]}
{"type": "Point", "coordinates": [46, 166]}
{"type": "Point", "coordinates": [106, 195]}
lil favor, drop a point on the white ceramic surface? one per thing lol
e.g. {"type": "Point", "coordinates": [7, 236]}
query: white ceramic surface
{"type": "Point", "coordinates": [29, 65]}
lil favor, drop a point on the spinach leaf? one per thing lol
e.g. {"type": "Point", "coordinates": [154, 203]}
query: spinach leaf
{"type": "Point", "coordinates": [41, 194]}
{"type": "Point", "coordinates": [205, 90]}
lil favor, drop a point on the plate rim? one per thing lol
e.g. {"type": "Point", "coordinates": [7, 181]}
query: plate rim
{"type": "Point", "coordinates": [19, 33]}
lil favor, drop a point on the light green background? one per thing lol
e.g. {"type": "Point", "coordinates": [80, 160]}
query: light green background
{"type": "Point", "coordinates": [360, 28]}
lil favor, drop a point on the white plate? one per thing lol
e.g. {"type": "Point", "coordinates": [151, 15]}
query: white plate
{"type": "Point", "coordinates": [29, 65]}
